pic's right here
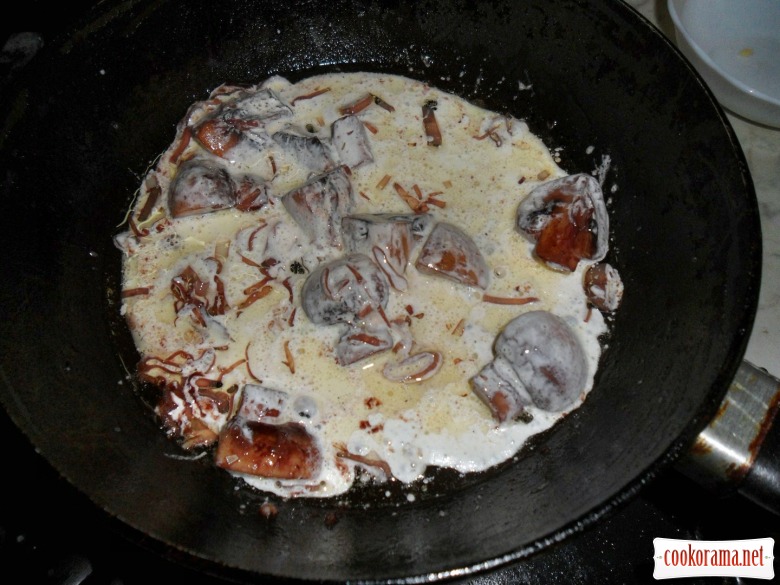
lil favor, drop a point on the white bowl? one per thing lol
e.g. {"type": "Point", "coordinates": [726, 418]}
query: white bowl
{"type": "Point", "coordinates": [735, 47]}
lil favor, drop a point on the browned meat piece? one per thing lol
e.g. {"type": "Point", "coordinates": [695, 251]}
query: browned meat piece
{"type": "Point", "coordinates": [350, 141]}
{"type": "Point", "coordinates": [319, 205]}
{"type": "Point", "coordinates": [603, 287]}
{"type": "Point", "coordinates": [285, 451]}
{"type": "Point", "coordinates": [345, 290]}
{"type": "Point", "coordinates": [387, 238]}
{"type": "Point", "coordinates": [200, 186]}
{"type": "Point", "coordinates": [260, 105]}
{"type": "Point", "coordinates": [538, 361]}
{"type": "Point", "coordinates": [450, 252]}
{"type": "Point", "coordinates": [567, 218]}
{"type": "Point", "coordinates": [307, 151]}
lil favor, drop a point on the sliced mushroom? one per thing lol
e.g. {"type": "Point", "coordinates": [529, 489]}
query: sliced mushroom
{"type": "Point", "coordinates": [285, 451]}
{"type": "Point", "coordinates": [538, 360]}
{"type": "Point", "coordinates": [603, 287]}
{"type": "Point", "coordinates": [217, 136]}
{"type": "Point", "coordinates": [359, 343]}
{"type": "Point", "coordinates": [177, 414]}
{"type": "Point", "coordinates": [200, 186]}
{"type": "Point", "coordinates": [415, 368]}
{"type": "Point", "coordinates": [499, 387]}
{"type": "Point", "coordinates": [252, 443]}
{"type": "Point", "coordinates": [567, 219]}
{"type": "Point", "coordinates": [251, 193]}
{"type": "Point", "coordinates": [261, 403]}
{"type": "Point", "coordinates": [243, 114]}
{"type": "Point", "coordinates": [345, 290]}
{"type": "Point", "coordinates": [350, 141]}
{"type": "Point", "coordinates": [387, 238]}
{"type": "Point", "coordinates": [306, 151]}
{"type": "Point", "coordinates": [319, 205]}
{"type": "Point", "coordinates": [451, 253]}
{"type": "Point", "coordinates": [259, 104]}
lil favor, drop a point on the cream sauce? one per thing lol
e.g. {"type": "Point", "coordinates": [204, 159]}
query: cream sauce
{"type": "Point", "coordinates": [486, 165]}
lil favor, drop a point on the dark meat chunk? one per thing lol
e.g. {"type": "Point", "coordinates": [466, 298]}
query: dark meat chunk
{"type": "Point", "coordinates": [345, 290]}
{"type": "Point", "coordinates": [200, 186]}
{"type": "Point", "coordinates": [538, 360]}
{"type": "Point", "coordinates": [387, 238]}
{"type": "Point", "coordinates": [307, 151]}
{"type": "Point", "coordinates": [319, 205]}
{"type": "Point", "coordinates": [350, 141]}
{"type": "Point", "coordinates": [432, 131]}
{"type": "Point", "coordinates": [177, 409]}
{"type": "Point", "coordinates": [603, 287]}
{"type": "Point", "coordinates": [567, 219]}
{"type": "Point", "coordinates": [451, 253]}
{"type": "Point", "coordinates": [498, 387]}
{"type": "Point", "coordinates": [285, 451]}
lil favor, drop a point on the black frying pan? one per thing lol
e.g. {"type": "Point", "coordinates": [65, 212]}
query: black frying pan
{"type": "Point", "coordinates": [89, 114]}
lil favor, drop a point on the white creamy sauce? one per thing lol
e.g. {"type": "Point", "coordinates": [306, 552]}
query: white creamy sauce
{"type": "Point", "coordinates": [484, 167]}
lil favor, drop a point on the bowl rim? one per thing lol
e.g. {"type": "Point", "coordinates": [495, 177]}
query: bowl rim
{"type": "Point", "coordinates": [741, 85]}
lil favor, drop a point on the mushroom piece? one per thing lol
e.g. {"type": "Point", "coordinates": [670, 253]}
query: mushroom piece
{"type": "Point", "coordinates": [350, 141]}
{"type": "Point", "coordinates": [243, 114]}
{"type": "Point", "coordinates": [252, 442]}
{"type": "Point", "coordinates": [217, 136]}
{"type": "Point", "coordinates": [567, 219]}
{"type": "Point", "coordinates": [538, 361]}
{"type": "Point", "coordinates": [285, 451]}
{"type": "Point", "coordinates": [251, 193]}
{"type": "Point", "coordinates": [177, 409]}
{"type": "Point", "coordinates": [451, 253]}
{"type": "Point", "coordinates": [345, 290]}
{"type": "Point", "coordinates": [603, 287]}
{"type": "Point", "coordinates": [359, 343]}
{"type": "Point", "coordinates": [200, 186]}
{"type": "Point", "coordinates": [414, 368]}
{"type": "Point", "coordinates": [306, 151]}
{"type": "Point", "coordinates": [261, 403]}
{"type": "Point", "coordinates": [387, 238]}
{"type": "Point", "coordinates": [319, 205]}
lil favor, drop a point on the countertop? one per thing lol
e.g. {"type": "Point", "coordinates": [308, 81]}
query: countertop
{"type": "Point", "coordinates": [761, 145]}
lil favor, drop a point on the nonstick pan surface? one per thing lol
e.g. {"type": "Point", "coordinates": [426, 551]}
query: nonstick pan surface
{"type": "Point", "coordinates": [89, 115]}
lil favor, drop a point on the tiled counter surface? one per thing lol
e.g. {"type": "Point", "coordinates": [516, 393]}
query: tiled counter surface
{"type": "Point", "coordinates": [761, 146]}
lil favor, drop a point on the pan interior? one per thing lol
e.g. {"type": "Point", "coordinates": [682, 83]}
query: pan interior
{"type": "Point", "coordinates": [591, 78]}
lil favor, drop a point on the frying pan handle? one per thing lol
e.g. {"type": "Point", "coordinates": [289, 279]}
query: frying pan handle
{"type": "Point", "coordinates": [739, 451]}
{"type": "Point", "coordinates": [762, 483]}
